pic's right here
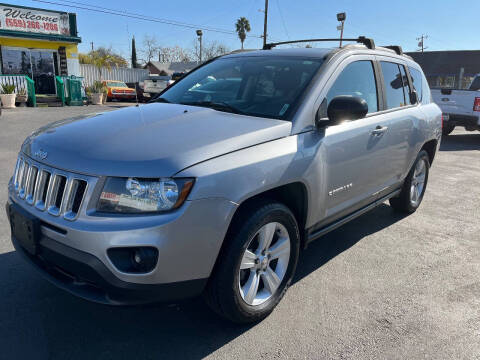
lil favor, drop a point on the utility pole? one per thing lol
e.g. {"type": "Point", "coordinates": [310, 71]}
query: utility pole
{"type": "Point", "coordinates": [200, 34]}
{"type": "Point", "coordinates": [341, 17]}
{"type": "Point", "coordinates": [265, 24]}
{"type": "Point", "coordinates": [421, 42]}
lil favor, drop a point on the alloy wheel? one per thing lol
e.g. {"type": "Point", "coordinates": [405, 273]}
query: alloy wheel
{"type": "Point", "coordinates": [264, 263]}
{"type": "Point", "coordinates": [418, 182]}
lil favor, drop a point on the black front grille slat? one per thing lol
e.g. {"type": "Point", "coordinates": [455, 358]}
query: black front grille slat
{"type": "Point", "coordinates": [45, 187]}
{"type": "Point", "coordinates": [78, 197]}
{"type": "Point", "coordinates": [62, 181]}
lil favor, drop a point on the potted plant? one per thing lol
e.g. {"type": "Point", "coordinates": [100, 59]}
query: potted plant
{"type": "Point", "coordinates": [22, 97]}
{"type": "Point", "coordinates": [95, 92]}
{"type": "Point", "coordinates": [8, 96]}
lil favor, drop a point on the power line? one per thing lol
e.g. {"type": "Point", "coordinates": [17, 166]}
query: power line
{"type": "Point", "coordinates": [421, 43]}
{"type": "Point", "coordinates": [283, 19]}
{"type": "Point", "coordinates": [103, 10]}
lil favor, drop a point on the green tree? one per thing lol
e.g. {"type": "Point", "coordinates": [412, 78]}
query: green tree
{"type": "Point", "coordinates": [242, 26]}
{"type": "Point", "coordinates": [134, 54]}
{"type": "Point", "coordinates": [103, 58]}
{"type": "Point", "coordinates": [107, 54]}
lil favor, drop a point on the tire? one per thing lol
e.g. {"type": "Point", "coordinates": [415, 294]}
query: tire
{"type": "Point", "coordinates": [227, 292]}
{"type": "Point", "coordinates": [447, 129]}
{"type": "Point", "coordinates": [409, 199]}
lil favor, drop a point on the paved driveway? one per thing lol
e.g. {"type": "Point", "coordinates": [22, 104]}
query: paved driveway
{"type": "Point", "coordinates": [382, 287]}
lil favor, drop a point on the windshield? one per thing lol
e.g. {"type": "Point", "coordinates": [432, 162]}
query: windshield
{"type": "Point", "coordinates": [257, 86]}
{"type": "Point", "coordinates": [116, 84]}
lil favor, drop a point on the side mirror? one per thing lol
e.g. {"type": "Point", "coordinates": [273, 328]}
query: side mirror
{"type": "Point", "coordinates": [344, 107]}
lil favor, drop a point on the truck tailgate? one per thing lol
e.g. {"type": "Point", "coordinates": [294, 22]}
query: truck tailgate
{"type": "Point", "coordinates": [453, 101]}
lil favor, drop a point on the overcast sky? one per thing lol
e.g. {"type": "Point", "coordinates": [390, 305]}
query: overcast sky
{"type": "Point", "coordinates": [450, 25]}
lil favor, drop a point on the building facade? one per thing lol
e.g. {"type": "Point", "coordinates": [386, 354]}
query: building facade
{"type": "Point", "coordinates": [449, 69]}
{"type": "Point", "coordinates": [38, 43]}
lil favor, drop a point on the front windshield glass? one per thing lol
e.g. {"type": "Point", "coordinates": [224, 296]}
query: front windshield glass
{"type": "Point", "coordinates": [116, 84]}
{"type": "Point", "coordinates": [258, 86]}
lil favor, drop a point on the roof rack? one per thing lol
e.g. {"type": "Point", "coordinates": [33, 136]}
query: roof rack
{"type": "Point", "coordinates": [369, 43]}
{"type": "Point", "coordinates": [396, 48]}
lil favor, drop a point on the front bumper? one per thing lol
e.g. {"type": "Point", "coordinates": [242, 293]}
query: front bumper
{"type": "Point", "coordinates": [122, 96]}
{"type": "Point", "coordinates": [188, 241]}
{"type": "Point", "coordinates": [84, 275]}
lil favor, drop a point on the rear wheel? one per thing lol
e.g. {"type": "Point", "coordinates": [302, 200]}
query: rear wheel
{"type": "Point", "coordinates": [414, 186]}
{"type": "Point", "coordinates": [257, 264]}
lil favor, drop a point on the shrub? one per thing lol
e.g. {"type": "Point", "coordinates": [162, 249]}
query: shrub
{"type": "Point", "coordinates": [96, 88]}
{"type": "Point", "coordinates": [8, 88]}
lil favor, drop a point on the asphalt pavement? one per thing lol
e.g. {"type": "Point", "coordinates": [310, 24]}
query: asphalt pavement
{"type": "Point", "coordinates": [384, 286]}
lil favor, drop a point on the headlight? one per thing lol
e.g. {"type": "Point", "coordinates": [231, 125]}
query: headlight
{"type": "Point", "coordinates": [135, 195]}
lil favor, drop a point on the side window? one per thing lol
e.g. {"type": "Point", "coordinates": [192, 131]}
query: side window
{"type": "Point", "coordinates": [357, 79]}
{"type": "Point", "coordinates": [393, 85]}
{"type": "Point", "coordinates": [406, 85]}
{"type": "Point", "coordinates": [417, 81]}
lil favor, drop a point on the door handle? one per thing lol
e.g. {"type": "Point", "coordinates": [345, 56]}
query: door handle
{"type": "Point", "coordinates": [379, 130]}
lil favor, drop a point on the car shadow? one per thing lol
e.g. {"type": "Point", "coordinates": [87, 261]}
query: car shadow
{"type": "Point", "coordinates": [460, 142]}
{"type": "Point", "coordinates": [40, 321]}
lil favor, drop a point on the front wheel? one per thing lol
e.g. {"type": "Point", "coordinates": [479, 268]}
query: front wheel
{"type": "Point", "coordinates": [414, 186]}
{"type": "Point", "coordinates": [256, 265]}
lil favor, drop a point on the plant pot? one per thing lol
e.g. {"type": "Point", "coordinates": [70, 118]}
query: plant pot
{"type": "Point", "coordinates": [8, 100]}
{"type": "Point", "coordinates": [97, 99]}
{"type": "Point", "coordinates": [21, 98]}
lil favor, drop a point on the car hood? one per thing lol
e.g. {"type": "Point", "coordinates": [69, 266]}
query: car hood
{"type": "Point", "coordinates": [148, 140]}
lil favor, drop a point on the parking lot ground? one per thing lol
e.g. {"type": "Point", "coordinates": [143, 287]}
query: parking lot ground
{"type": "Point", "coordinates": [384, 286]}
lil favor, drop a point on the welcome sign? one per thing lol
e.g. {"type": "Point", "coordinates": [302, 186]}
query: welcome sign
{"type": "Point", "coordinates": [34, 21]}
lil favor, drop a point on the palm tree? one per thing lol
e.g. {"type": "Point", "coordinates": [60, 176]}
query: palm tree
{"type": "Point", "coordinates": [242, 26]}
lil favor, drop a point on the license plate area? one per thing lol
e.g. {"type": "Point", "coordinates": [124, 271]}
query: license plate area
{"type": "Point", "coordinates": [25, 228]}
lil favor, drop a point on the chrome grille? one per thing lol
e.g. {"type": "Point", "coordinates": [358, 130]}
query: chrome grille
{"type": "Point", "coordinates": [48, 189]}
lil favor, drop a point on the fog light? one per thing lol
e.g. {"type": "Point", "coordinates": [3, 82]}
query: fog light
{"type": "Point", "coordinates": [134, 259]}
{"type": "Point", "coordinates": [144, 259]}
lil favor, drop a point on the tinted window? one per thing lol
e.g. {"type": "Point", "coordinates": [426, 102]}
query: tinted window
{"type": "Point", "coordinates": [357, 79]}
{"type": "Point", "coordinates": [475, 85]}
{"type": "Point", "coordinates": [266, 86]}
{"type": "Point", "coordinates": [393, 85]}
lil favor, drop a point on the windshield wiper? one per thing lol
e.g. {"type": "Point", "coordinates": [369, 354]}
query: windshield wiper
{"type": "Point", "coordinates": [220, 106]}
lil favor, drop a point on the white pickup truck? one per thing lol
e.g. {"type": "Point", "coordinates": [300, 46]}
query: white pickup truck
{"type": "Point", "coordinates": [459, 107]}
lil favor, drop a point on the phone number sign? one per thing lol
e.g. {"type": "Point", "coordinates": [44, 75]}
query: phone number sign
{"type": "Point", "coordinates": [34, 21]}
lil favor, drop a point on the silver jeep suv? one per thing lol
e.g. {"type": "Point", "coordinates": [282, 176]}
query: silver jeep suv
{"type": "Point", "coordinates": [216, 187]}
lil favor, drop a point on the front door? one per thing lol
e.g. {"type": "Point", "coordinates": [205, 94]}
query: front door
{"type": "Point", "coordinates": [356, 152]}
{"type": "Point", "coordinates": [43, 70]}
{"type": "Point", "coordinates": [39, 65]}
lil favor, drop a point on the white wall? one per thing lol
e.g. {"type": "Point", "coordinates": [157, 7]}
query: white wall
{"type": "Point", "coordinates": [90, 73]}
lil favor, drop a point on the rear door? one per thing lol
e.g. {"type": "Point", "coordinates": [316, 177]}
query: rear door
{"type": "Point", "coordinates": [401, 118]}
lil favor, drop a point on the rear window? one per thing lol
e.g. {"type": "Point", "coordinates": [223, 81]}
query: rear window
{"type": "Point", "coordinates": [417, 80]}
{"type": "Point", "coordinates": [158, 78]}
{"type": "Point", "coordinates": [475, 85]}
{"type": "Point", "coordinates": [392, 78]}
